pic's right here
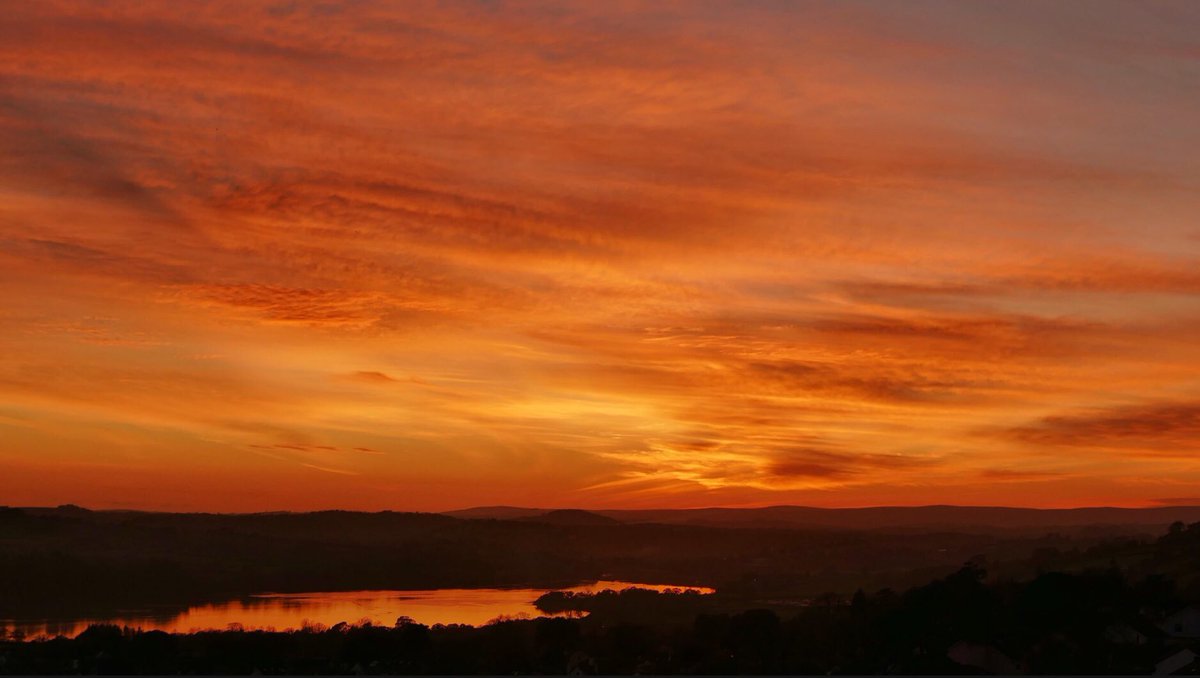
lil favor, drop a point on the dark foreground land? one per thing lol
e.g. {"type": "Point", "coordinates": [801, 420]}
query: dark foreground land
{"type": "Point", "coordinates": [1112, 599]}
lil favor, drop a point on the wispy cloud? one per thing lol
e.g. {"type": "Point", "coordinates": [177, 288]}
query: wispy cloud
{"type": "Point", "coordinates": [453, 253]}
{"type": "Point", "coordinates": [1156, 429]}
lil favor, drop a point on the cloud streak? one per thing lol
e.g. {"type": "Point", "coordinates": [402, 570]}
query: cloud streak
{"type": "Point", "coordinates": [626, 255]}
{"type": "Point", "coordinates": [1155, 429]}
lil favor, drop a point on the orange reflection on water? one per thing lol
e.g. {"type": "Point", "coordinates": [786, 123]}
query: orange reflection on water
{"type": "Point", "coordinates": [283, 611]}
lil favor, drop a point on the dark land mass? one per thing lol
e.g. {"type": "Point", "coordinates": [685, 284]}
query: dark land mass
{"type": "Point", "coordinates": [67, 561]}
{"type": "Point", "coordinates": [789, 598]}
{"type": "Point", "coordinates": [1116, 609]}
{"type": "Point", "coordinates": [497, 512]}
{"type": "Point", "coordinates": [962, 518]}
{"type": "Point", "coordinates": [571, 517]}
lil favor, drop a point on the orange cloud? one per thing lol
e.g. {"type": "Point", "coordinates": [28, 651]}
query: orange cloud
{"type": "Point", "coordinates": [358, 254]}
{"type": "Point", "coordinates": [1157, 429]}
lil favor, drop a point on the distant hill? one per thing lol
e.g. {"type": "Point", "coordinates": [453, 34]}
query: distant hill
{"type": "Point", "coordinates": [572, 517]}
{"type": "Point", "coordinates": [496, 513]}
{"type": "Point", "coordinates": [77, 564]}
{"type": "Point", "coordinates": [882, 517]}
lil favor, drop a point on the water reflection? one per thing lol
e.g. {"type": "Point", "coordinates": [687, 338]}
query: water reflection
{"type": "Point", "coordinates": [283, 611]}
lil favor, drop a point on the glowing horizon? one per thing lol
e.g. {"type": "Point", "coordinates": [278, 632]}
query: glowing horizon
{"type": "Point", "coordinates": [257, 256]}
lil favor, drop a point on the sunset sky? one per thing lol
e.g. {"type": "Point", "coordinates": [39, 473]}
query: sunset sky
{"type": "Point", "coordinates": [395, 255]}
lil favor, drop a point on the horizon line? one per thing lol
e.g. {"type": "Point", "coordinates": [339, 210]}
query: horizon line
{"type": "Point", "coordinates": [609, 510]}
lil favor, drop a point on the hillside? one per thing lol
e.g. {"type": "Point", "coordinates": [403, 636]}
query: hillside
{"type": "Point", "coordinates": [968, 518]}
